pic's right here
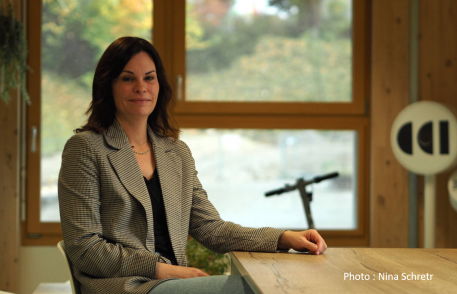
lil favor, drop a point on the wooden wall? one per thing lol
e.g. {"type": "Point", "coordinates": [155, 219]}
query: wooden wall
{"type": "Point", "coordinates": [438, 82]}
{"type": "Point", "coordinates": [9, 189]}
{"type": "Point", "coordinates": [390, 93]}
{"type": "Point", "coordinates": [9, 196]}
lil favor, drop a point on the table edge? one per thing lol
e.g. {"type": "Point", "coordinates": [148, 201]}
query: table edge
{"type": "Point", "coordinates": [244, 273]}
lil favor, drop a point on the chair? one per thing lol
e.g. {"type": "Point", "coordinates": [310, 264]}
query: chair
{"type": "Point", "coordinates": [75, 285]}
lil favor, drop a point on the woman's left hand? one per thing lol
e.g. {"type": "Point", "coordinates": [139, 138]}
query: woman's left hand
{"type": "Point", "coordinates": [303, 241]}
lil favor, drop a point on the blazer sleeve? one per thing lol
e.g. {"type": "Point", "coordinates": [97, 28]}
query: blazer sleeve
{"type": "Point", "coordinates": [79, 194]}
{"type": "Point", "coordinates": [221, 236]}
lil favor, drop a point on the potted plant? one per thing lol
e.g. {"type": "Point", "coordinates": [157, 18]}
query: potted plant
{"type": "Point", "coordinates": [13, 53]}
{"type": "Point", "coordinates": [204, 259]}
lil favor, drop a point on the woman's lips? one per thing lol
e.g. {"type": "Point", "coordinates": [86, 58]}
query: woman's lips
{"type": "Point", "coordinates": [140, 100]}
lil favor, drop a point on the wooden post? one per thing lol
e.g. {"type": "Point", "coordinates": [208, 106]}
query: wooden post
{"type": "Point", "coordinates": [9, 187]}
{"type": "Point", "coordinates": [389, 94]}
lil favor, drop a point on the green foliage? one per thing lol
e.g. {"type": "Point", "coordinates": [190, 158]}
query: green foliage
{"type": "Point", "coordinates": [307, 12]}
{"type": "Point", "coordinates": [204, 259]}
{"type": "Point", "coordinates": [324, 16]}
{"type": "Point", "coordinates": [218, 49]}
{"type": "Point", "coordinates": [272, 58]}
{"type": "Point", "coordinates": [281, 69]}
{"type": "Point", "coordinates": [13, 54]}
{"type": "Point", "coordinates": [64, 102]}
{"type": "Point", "coordinates": [335, 22]}
{"type": "Point", "coordinates": [76, 32]}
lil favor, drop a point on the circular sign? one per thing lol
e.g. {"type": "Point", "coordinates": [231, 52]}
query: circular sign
{"type": "Point", "coordinates": [452, 187]}
{"type": "Point", "coordinates": [424, 138]}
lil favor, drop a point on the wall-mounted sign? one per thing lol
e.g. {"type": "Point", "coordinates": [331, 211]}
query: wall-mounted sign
{"type": "Point", "coordinates": [424, 138]}
{"type": "Point", "coordinates": [452, 187]}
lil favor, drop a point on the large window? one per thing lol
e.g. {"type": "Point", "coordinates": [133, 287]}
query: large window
{"type": "Point", "coordinates": [266, 91]}
{"type": "Point", "coordinates": [260, 50]}
{"type": "Point", "coordinates": [236, 168]}
{"type": "Point", "coordinates": [74, 35]}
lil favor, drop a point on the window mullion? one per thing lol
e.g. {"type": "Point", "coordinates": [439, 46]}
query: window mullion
{"type": "Point", "coordinates": [33, 119]}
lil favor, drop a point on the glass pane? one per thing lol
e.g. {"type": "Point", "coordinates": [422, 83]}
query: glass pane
{"type": "Point", "coordinates": [74, 35]}
{"type": "Point", "coordinates": [269, 50]}
{"type": "Point", "coordinates": [237, 167]}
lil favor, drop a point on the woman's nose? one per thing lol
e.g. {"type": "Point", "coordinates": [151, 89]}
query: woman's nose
{"type": "Point", "coordinates": [140, 87]}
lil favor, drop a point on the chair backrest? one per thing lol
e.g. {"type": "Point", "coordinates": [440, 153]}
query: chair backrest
{"type": "Point", "coordinates": [75, 286]}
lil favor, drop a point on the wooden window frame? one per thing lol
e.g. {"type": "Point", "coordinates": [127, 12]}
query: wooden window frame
{"type": "Point", "coordinates": [169, 20]}
{"type": "Point", "coordinates": [279, 115]}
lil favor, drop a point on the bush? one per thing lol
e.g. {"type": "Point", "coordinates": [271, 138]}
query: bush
{"type": "Point", "coordinates": [281, 69]}
{"type": "Point", "coordinates": [204, 259]}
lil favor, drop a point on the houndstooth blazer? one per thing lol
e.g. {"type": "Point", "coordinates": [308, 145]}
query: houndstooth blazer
{"type": "Point", "coordinates": [106, 212]}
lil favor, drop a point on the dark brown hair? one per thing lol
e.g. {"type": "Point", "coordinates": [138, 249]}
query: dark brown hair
{"type": "Point", "coordinates": [102, 108]}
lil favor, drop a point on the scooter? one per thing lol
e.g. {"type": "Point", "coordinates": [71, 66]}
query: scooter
{"type": "Point", "coordinates": [306, 197]}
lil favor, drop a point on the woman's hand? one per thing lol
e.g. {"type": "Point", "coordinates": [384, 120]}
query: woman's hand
{"type": "Point", "coordinates": [304, 241]}
{"type": "Point", "coordinates": [164, 271]}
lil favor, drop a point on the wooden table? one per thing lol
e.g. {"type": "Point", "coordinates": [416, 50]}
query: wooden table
{"type": "Point", "coordinates": [50, 288]}
{"type": "Point", "coordinates": [346, 270]}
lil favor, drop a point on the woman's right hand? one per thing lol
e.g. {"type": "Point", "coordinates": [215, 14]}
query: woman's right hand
{"type": "Point", "coordinates": [164, 271]}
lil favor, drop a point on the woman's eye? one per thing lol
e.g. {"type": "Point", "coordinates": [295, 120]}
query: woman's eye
{"type": "Point", "coordinates": [149, 78]}
{"type": "Point", "coordinates": [126, 79]}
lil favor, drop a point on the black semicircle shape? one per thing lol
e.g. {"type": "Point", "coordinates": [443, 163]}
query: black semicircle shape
{"type": "Point", "coordinates": [405, 138]}
{"type": "Point", "coordinates": [425, 137]}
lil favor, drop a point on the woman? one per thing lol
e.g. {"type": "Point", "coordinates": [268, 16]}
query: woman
{"type": "Point", "coordinates": [129, 194]}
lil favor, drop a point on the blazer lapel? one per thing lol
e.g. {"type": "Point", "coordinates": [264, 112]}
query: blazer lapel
{"type": "Point", "coordinates": [129, 173]}
{"type": "Point", "coordinates": [168, 165]}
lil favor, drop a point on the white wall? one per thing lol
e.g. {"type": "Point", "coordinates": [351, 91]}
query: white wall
{"type": "Point", "coordinates": [40, 264]}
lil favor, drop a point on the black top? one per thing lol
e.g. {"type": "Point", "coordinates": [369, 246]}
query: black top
{"type": "Point", "coordinates": [161, 234]}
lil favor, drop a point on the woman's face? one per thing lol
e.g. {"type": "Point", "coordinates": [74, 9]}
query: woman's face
{"type": "Point", "coordinates": [136, 89]}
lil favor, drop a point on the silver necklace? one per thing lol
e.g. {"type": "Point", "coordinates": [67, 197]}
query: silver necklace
{"type": "Point", "coordinates": [144, 151]}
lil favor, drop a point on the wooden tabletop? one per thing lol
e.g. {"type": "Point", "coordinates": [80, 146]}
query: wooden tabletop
{"type": "Point", "coordinates": [347, 270]}
{"type": "Point", "coordinates": [51, 288]}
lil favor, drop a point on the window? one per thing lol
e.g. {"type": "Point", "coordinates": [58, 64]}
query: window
{"type": "Point", "coordinates": [266, 75]}
{"type": "Point", "coordinates": [272, 90]}
{"type": "Point", "coordinates": [74, 34]}
{"type": "Point", "coordinates": [237, 166]}
{"type": "Point", "coordinates": [271, 51]}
